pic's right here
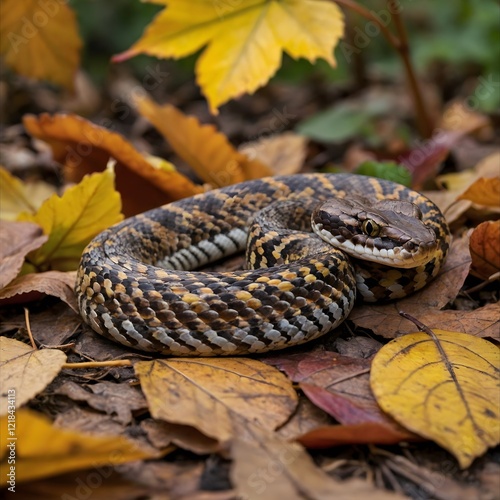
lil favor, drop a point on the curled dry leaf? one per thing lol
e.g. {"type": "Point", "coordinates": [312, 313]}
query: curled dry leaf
{"type": "Point", "coordinates": [40, 41]}
{"type": "Point", "coordinates": [284, 153]}
{"type": "Point", "coordinates": [386, 321]}
{"type": "Point", "coordinates": [340, 386]}
{"type": "Point", "coordinates": [206, 150]}
{"type": "Point", "coordinates": [25, 372]}
{"type": "Point", "coordinates": [30, 287]}
{"type": "Point", "coordinates": [485, 249]}
{"type": "Point", "coordinates": [443, 387]}
{"type": "Point", "coordinates": [245, 40]}
{"type": "Point", "coordinates": [73, 219]}
{"type": "Point", "coordinates": [483, 191]}
{"type": "Point", "coordinates": [17, 239]}
{"type": "Point", "coordinates": [230, 391]}
{"type": "Point", "coordinates": [43, 450]}
{"type": "Point", "coordinates": [84, 148]}
{"type": "Point", "coordinates": [18, 196]}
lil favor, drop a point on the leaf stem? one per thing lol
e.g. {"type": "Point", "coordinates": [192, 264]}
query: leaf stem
{"type": "Point", "coordinates": [402, 47]}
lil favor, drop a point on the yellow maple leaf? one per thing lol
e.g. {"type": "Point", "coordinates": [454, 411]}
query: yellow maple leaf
{"type": "Point", "coordinates": [443, 387]}
{"type": "Point", "coordinates": [31, 447]}
{"type": "Point", "coordinates": [245, 39]}
{"type": "Point", "coordinates": [39, 39]}
{"type": "Point", "coordinates": [205, 149]}
{"type": "Point", "coordinates": [73, 219]}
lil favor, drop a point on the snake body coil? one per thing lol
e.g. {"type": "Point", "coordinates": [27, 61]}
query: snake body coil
{"type": "Point", "coordinates": [136, 283]}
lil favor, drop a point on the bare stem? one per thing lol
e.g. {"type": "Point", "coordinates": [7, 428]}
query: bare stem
{"type": "Point", "coordinates": [98, 364]}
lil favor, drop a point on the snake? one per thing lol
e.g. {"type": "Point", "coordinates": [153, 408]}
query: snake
{"type": "Point", "coordinates": [314, 243]}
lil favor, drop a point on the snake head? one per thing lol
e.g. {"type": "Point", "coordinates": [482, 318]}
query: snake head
{"type": "Point", "coordinates": [389, 232]}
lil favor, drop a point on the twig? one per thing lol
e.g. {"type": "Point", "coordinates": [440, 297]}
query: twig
{"type": "Point", "coordinates": [28, 328]}
{"type": "Point", "coordinates": [98, 364]}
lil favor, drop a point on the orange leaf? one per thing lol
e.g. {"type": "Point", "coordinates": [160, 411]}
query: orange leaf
{"type": "Point", "coordinates": [484, 249]}
{"type": "Point", "coordinates": [85, 148]}
{"type": "Point", "coordinates": [205, 149]}
{"type": "Point", "coordinates": [40, 40]}
{"type": "Point", "coordinates": [484, 191]}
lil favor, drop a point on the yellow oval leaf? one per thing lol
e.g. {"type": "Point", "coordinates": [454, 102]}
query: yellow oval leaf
{"type": "Point", "coordinates": [445, 389]}
{"type": "Point", "coordinates": [215, 395]}
{"type": "Point", "coordinates": [73, 219]}
{"type": "Point", "coordinates": [205, 149]}
{"type": "Point", "coordinates": [245, 40]}
{"type": "Point", "coordinates": [40, 450]}
{"type": "Point", "coordinates": [24, 372]}
{"type": "Point", "coordinates": [40, 40]}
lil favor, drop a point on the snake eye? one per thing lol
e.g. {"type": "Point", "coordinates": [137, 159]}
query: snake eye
{"type": "Point", "coordinates": [371, 228]}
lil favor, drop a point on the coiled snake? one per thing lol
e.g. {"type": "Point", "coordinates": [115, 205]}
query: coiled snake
{"type": "Point", "coordinates": [136, 283]}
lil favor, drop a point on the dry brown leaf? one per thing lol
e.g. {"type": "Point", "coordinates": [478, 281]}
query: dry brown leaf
{"type": "Point", "coordinates": [206, 150]}
{"type": "Point", "coordinates": [385, 320]}
{"type": "Point", "coordinates": [459, 117]}
{"type": "Point", "coordinates": [269, 468]}
{"type": "Point", "coordinates": [483, 191]}
{"type": "Point", "coordinates": [17, 239]}
{"type": "Point", "coordinates": [163, 434]}
{"type": "Point", "coordinates": [31, 287]}
{"type": "Point", "coordinates": [84, 148]}
{"type": "Point", "coordinates": [114, 399]}
{"type": "Point", "coordinates": [485, 249]}
{"type": "Point", "coordinates": [284, 153]}
{"type": "Point", "coordinates": [444, 387]}
{"type": "Point", "coordinates": [24, 371]}
{"type": "Point", "coordinates": [230, 391]}
{"type": "Point", "coordinates": [340, 386]}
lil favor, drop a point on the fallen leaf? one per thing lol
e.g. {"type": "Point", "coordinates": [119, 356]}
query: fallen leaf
{"type": "Point", "coordinates": [284, 153]}
{"type": "Point", "coordinates": [340, 386]}
{"type": "Point", "coordinates": [25, 372]}
{"type": "Point", "coordinates": [269, 468]}
{"type": "Point", "coordinates": [84, 148]}
{"type": "Point", "coordinates": [114, 399]}
{"type": "Point", "coordinates": [42, 450]}
{"type": "Point", "coordinates": [17, 239]}
{"type": "Point", "coordinates": [484, 249]}
{"type": "Point", "coordinates": [162, 434]}
{"type": "Point", "coordinates": [72, 220]}
{"type": "Point", "coordinates": [457, 116]}
{"type": "Point", "coordinates": [206, 150]}
{"type": "Point", "coordinates": [18, 196]}
{"type": "Point", "coordinates": [385, 319]}
{"type": "Point", "coordinates": [29, 287]}
{"type": "Point", "coordinates": [483, 191]}
{"type": "Point", "coordinates": [444, 388]}
{"type": "Point", "coordinates": [40, 40]}
{"type": "Point", "coordinates": [364, 433]}
{"type": "Point", "coordinates": [245, 40]}
{"type": "Point", "coordinates": [230, 390]}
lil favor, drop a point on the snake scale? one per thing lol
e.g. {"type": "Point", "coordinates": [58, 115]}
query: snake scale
{"type": "Point", "coordinates": [137, 283]}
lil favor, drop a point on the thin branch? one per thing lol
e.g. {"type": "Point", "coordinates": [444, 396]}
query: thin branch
{"type": "Point", "coordinates": [98, 364]}
{"type": "Point", "coordinates": [28, 328]}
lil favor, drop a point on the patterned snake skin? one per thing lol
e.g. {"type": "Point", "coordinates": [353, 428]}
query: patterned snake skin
{"type": "Point", "coordinates": [136, 283]}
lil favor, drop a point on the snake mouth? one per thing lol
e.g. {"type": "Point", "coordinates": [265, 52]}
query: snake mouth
{"type": "Point", "coordinates": [402, 255]}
